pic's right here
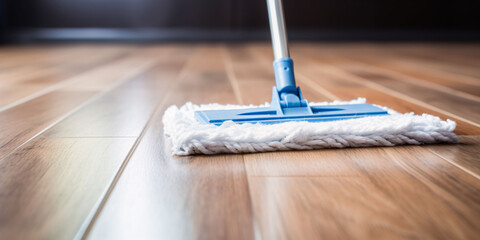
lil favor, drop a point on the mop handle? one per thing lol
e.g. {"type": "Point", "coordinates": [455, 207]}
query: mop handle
{"type": "Point", "coordinates": [277, 29]}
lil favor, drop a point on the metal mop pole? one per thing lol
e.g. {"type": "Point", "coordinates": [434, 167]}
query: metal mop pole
{"type": "Point", "coordinates": [277, 29]}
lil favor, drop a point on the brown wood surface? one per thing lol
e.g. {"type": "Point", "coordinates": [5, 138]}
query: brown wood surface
{"type": "Point", "coordinates": [204, 192]}
{"type": "Point", "coordinates": [83, 156]}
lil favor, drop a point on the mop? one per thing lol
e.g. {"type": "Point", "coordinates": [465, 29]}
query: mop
{"type": "Point", "coordinates": [290, 122]}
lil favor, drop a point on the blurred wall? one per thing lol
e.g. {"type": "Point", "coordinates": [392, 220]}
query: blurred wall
{"type": "Point", "coordinates": [342, 19]}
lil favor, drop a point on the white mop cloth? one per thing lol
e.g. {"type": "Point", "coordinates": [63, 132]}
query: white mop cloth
{"type": "Point", "coordinates": [188, 136]}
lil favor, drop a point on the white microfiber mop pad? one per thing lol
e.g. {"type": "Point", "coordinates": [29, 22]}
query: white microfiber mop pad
{"type": "Point", "coordinates": [188, 136]}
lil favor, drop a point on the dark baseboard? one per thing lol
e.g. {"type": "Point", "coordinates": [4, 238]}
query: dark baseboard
{"type": "Point", "coordinates": [189, 35]}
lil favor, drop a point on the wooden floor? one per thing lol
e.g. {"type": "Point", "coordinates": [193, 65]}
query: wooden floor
{"type": "Point", "coordinates": [82, 153]}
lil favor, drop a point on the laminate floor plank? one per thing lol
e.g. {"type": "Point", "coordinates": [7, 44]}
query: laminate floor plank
{"type": "Point", "coordinates": [456, 65]}
{"type": "Point", "coordinates": [15, 56]}
{"type": "Point", "coordinates": [449, 101]}
{"type": "Point", "coordinates": [62, 179]}
{"type": "Point", "coordinates": [9, 95]}
{"type": "Point", "coordinates": [425, 73]}
{"type": "Point", "coordinates": [458, 105]}
{"type": "Point", "coordinates": [197, 197]}
{"type": "Point", "coordinates": [22, 122]}
{"type": "Point", "coordinates": [394, 193]}
{"type": "Point", "coordinates": [383, 54]}
{"type": "Point", "coordinates": [438, 65]}
{"type": "Point", "coordinates": [19, 124]}
{"type": "Point", "coordinates": [64, 146]}
{"type": "Point", "coordinates": [405, 70]}
{"type": "Point", "coordinates": [41, 56]}
{"type": "Point", "coordinates": [12, 75]}
{"type": "Point", "coordinates": [448, 53]}
{"type": "Point", "coordinates": [44, 79]}
{"type": "Point", "coordinates": [465, 155]}
{"type": "Point", "coordinates": [125, 110]}
{"type": "Point", "coordinates": [87, 60]}
{"type": "Point", "coordinates": [38, 59]}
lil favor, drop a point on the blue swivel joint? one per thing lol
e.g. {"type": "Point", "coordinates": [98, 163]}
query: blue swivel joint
{"type": "Point", "coordinates": [286, 91]}
{"type": "Point", "coordinates": [284, 75]}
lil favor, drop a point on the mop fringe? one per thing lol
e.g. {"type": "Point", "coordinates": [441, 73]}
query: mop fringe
{"type": "Point", "coordinates": [187, 136]}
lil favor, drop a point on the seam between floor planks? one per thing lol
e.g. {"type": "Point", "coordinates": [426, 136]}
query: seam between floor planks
{"type": "Point", "coordinates": [231, 75]}
{"type": "Point", "coordinates": [370, 64]}
{"type": "Point", "coordinates": [432, 67]}
{"type": "Point", "coordinates": [419, 82]}
{"type": "Point", "coordinates": [256, 226]}
{"type": "Point", "coordinates": [236, 89]}
{"type": "Point", "coordinates": [340, 72]}
{"type": "Point", "coordinates": [83, 231]}
{"type": "Point", "coordinates": [91, 219]}
{"type": "Point", "coordinates": [343, 74]}
{"type": "Point", "coordinates": [66, 81]}
{"type": "Point", "coordinates": [97, 93]}
{"type": "Point", "coordinates": [400, 95]}
{"type": "Point", "coordinates": [456, 165]}
{"type": "Point", "coordinates": [398, 61]}
{"type": "Point", "coordinates": [71, 112]}
{"type": "Point", "coordinates": [63, 117]}
{"type": "Point", "coordinates": [425, 60]}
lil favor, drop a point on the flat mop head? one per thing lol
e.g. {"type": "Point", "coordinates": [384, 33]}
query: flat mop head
{"type": "Point", "coordinates": [277, 113]}
{"type": "Point", "coordinates": [187, 135]}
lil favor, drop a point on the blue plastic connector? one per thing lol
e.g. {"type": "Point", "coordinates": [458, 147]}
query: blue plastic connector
{"type": "Point", "coordinates": [289, 94]}
{"type": "Point", "coordinates": [286, 96]}
{"type": "Point", "coordinates": [284, 75]}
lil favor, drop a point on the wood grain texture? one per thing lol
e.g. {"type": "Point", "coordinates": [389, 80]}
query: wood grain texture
{"type": "Point", "coordinates": [347, 86]}
{"type": "Point", "coordinates": [417, 73]}
{"type": "Point", "coordinates": [24, 121]}
{"type": "Point", "coordinates": [440, 62]}
{"type": "Point", "coordinates": [11, 94]}
{"type": "Point", "coordinates": [457, 105]}
{"type": "Point", "coordinates": [160, 196]}
{"type": "Point", "coordinates": [61, 181]}
{"type": "Point", "coordinates": [125, 110]}
{"type": "Point", "coordinates": [394, 193]}
{"type": "Point", "coordinates": [435, 95]}
{"type": "Point", "coordinates": [465, 155]}
{"type": "Point", "coordinates": [19, 124]}
{"type": "Point", "coordinates": [45, 78]}
{"type": "Point", "coordinates": [109, 110]}
{"type": "Point", "coordinates": [82, 151]}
